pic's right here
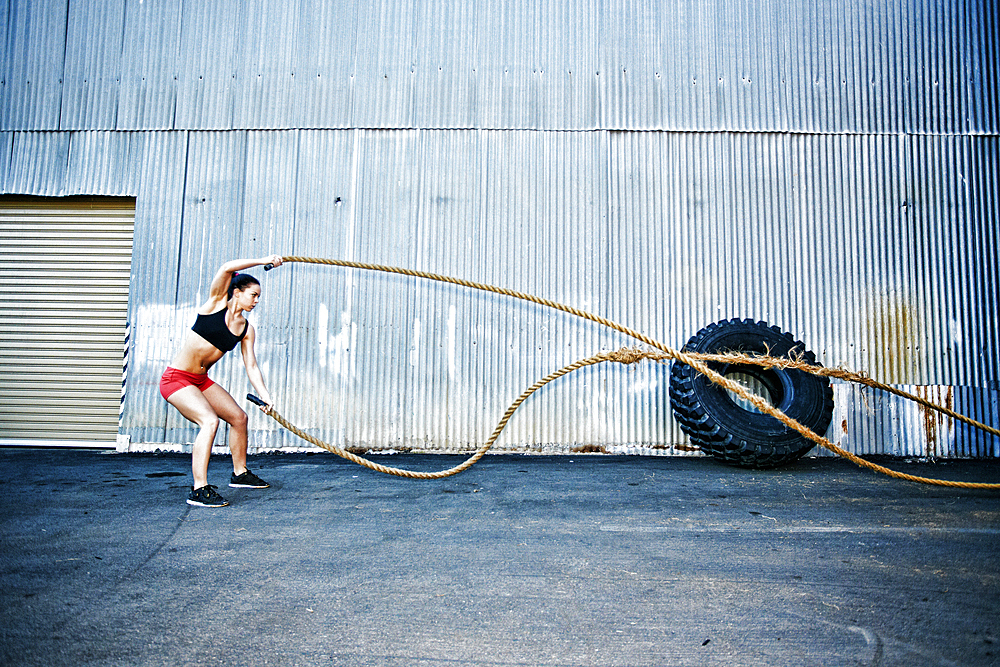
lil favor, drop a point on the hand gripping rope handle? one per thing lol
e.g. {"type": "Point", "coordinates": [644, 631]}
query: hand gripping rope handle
{"type": "Point", "coordinates": [256, 401]}
{"type": "Point", "coordinates": [629, 356]}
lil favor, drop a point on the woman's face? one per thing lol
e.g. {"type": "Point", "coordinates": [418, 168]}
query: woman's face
{"type": "Point", "coordinates": [248, 297]}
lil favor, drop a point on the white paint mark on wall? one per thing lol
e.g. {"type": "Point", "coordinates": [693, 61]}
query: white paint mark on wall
{"type": "Point", "coordinates": [955, 330]}
{"type": "Point", "coordinates": [452, 363]}
{"type": "Point", "coordinates": [159, 330]}
{"type": "Point", "coordinates": [415, 345]}
{"type": "Point", "coordinates": [322, 333]}
{"type": "Point", "coordinates": [335, 349]}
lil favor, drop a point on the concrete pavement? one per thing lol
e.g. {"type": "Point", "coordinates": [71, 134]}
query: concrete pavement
{"type": "Point", "coordinates": [584, 560]}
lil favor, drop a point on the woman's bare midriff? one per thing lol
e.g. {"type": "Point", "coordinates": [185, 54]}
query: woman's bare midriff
{"type": "Point", "coordinates": [197, 355]}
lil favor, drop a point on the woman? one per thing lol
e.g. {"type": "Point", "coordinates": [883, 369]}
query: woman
{"type": "Point", "coordinates": [220, 325]}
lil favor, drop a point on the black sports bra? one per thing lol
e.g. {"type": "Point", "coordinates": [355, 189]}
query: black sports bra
{"type": "Point", "coordinates": [213, 329]}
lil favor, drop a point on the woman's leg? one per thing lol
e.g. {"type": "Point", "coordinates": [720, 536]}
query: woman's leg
{"type": "Point", "coordinates": [191, 403]}
{"type": "Point", "coordinates": [227, 409]}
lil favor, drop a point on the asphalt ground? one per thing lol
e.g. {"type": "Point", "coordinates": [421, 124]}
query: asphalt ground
{"type": "Point", "coordinates": [522, 560]}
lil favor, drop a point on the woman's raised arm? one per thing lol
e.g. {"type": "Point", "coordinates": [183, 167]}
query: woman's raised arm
{"type": "Point", "coordinates": [219, 290]}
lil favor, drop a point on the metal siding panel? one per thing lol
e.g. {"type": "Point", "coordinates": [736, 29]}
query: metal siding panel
{"type": "Point", "coordinates": [100, 163]}
{"type": "Point", "coordinates": [982, 59]}
{"type": "Point", "coordinates": [320, 324]}
{"type": "Point", "coordinates": [628, 63]}
{"type": "Point", "coordinates": [6, 71]}
{"type": "Point", "coordinates": [827, 67]}
{"type": "Point", "coordinates": [447, 407]}
{"type": "Point", "coordinates": [817, 235]}
{"type": "Point", "coordinates": [93, 67]}
{"type": "Point", "coordinates": [147, 95]}
{"type": "Point", "coordinates": [70, 163]}
{"type": "Point", "coordinates": [264, 81]}
{"type": "Point", "coordinates": [207, 65]}
{"type": "Point", "coordinates": [31, 73]}
{"type": "Point", "coordinates": [695, 68]}
{"type": "Point", "coordinates": [984, 184]}
{"type": "Point", "coordinates": [935, 76]}
{"type": "Point", "coordinates": [66, 266]}
{"type": "Point", "coordinates": [421, 406]}
{"type": "Point", "coordinates": [325, 67]}
{"type": "Point", "coordinates": [38, 163]}
{"type": "Point", "coordinates": [538, 66]}
{"type": "Point", "coordinates": [958, 266]}
{"type": "Point", "coordinates": [6, 157]}
{"type": "Point", "coordinates": [388, 180]}
{"type": "Point", "coordinates": [269, 214]}
{"type": "Point", "coordinates": [386, 54]}
{"type": "Point", "coordinates": [545, 230]}
{"type": "Point", "coordinates": [646, 274]}
{"type": "Point", "coordinates": [410, 356]}
{"type": "Point", "coordinates": [445, 77]}
{"type": "Point", "coordinates": [155, 322]}
{"type": "Point", "coordinates": [561, 79]}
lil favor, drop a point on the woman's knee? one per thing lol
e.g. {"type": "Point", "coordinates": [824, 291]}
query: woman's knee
{"type": "Point", "coordinates": [208, 422]}
{"type": "Point", "coordinates": [238, 420]}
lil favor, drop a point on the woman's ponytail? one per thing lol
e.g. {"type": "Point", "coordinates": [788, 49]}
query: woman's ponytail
{"type": "Point", "coordinates": [240, 282]}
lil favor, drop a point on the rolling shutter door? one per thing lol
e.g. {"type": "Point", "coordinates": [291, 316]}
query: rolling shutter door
{"type": "Point", "coordinates": [64, 280]}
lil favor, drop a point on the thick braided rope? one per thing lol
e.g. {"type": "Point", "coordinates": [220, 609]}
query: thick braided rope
{"type": "Point", "coordinates": [629, 356]}
{"type": "Point", "coordinates": [840, 374]}
{"type": "Point", "coordinates": [469, 462]}
{"type": "Point", "coordinates": [766, 407]}
{"type": "Point", "coordinates": [484, 288]}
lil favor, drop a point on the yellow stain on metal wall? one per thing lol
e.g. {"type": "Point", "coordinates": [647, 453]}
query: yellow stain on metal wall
{"type": "Point", "coordinates": [896, 331]}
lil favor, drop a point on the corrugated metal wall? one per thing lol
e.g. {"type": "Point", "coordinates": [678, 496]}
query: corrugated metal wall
{"type": "Point", "coordinates": [918, 67]}
{"type": "Point", "coordinates": [829, 167]}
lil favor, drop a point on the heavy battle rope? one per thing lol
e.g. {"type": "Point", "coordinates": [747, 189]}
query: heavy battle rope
{"type": "Point", "coordinates": [659, 353]}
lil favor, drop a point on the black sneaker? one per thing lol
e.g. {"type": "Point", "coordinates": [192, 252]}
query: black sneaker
{"type": "Point", "coordinates": [247, 480]}
{"type": "Point", "coordinates": [206, 496]}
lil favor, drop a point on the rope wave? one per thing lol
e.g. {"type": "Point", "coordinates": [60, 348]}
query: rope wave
{"type": "Point", "coordinates": [658, 353]}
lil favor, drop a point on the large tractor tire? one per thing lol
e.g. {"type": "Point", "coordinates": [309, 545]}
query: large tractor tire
{"type": "Point", "coordinates": [733, 430]}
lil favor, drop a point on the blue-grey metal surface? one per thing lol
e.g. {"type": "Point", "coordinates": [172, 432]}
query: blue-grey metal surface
{"type": "Point", "coordinates": [823, 236]}
{"type": "Point", "coordinates": [147, 93]}
{"type": "Point", "coordinates": [828, 167]}
{"type": "Point", "coordinates": [31, 72]}
{"type": "Point", "coordinates": [92, 68]}
{"type": "Point", "coordinates": [878, 251]}
{"type": "Point", "coordinates": [156, 320]}
{"type": "Point", "coordinates": [919, 66]}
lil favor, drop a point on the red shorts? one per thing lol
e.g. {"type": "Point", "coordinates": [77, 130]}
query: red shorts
{"type": "Point", "coordinates": [173, 379]}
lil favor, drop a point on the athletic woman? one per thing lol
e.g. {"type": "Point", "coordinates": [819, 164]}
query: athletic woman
{"type": "Point", "coordinates": [219, 327]}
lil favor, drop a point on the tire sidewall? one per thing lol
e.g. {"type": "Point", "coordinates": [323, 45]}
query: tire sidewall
{"type": "Point", "coordinates": [803, 394]}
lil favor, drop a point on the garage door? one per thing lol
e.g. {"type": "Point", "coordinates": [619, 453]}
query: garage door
{"type": "Point", "coordinates": [64, 278]}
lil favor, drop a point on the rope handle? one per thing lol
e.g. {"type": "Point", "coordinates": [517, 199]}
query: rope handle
{"type": "Point", "coordinates": [256, 400]}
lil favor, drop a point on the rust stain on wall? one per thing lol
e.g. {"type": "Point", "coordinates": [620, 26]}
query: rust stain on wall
{"type": "Point", "coordinates": [896, 336]}
{"type": "Point", "coordinates": [590, 449]}
{"type": "Point", "coordinates": [933, 421]}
